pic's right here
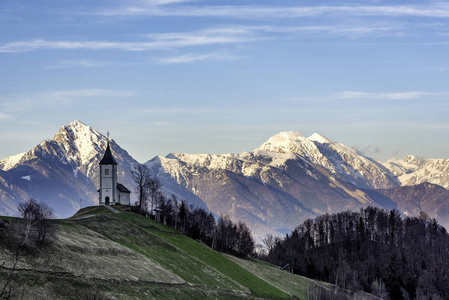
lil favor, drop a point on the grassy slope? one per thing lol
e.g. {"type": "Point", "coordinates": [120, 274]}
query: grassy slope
{"type": "Point", "coordinates": [127, 256]}
{"type": "Point", "coordinates": [287, 282]}
{"type": "Point", "coordinates": [190, 260]}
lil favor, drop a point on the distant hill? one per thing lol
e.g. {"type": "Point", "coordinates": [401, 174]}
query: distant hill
{"type": "Point", "coordinates": [127, 256]}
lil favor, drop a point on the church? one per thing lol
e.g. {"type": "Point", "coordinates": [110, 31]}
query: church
{"type": "Point", "coordinates": [111, 192]}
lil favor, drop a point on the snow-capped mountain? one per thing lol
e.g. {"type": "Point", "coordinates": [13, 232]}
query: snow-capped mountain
{"type": "Point", "coordinates": [413, 171]}
{"type": "Point", "coordinates": [273, 189]}
{"type": "Point", "coordinates": [403, 166]}
{"type": "Point", "coordinates": [341, 161]}
{"type": "Point", "coordinates": [61, 171]}
{"type": "Point", "coordinates": [286, 180]}
{"type": "Point", "coordinates": [272, 192]}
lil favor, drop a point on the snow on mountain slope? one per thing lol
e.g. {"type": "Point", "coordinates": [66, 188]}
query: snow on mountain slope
{"type": "Point", "coordinates": [354, 168]}
{"type": "Point", "coordinates": [413, 170]}
{"type": "Point", "coordinates": [62, 170]}
{"type": "Point", "coordinates": [340, 160]}
{"type": "Point", "coordinates": [294, 142]}
{"type": "Point", "coordinates": [282, 182]}
{"type": "Point", "coordinates": [434, 171]}
{"type": "Point", "coordinates": [270, 191]}
{"type": "Point", "coordinates": [80, 142]}
{"type": "Point", "coordinates": [404, 166]}
{"type": "Point", "coordinates": [10, 162]}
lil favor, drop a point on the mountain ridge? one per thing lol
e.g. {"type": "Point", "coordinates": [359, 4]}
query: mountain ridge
{"type": "Point", "coordinates": [279, 184]}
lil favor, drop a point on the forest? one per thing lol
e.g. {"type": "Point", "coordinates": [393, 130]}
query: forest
{"type": "Point", "coordinates": [374, 250]}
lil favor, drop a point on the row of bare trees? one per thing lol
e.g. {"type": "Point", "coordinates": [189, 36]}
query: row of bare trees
{"type": "Point", "coordinates": [198, 223]}
{"type": "Point", "coordinates": [147, 188]}
{"type": "Point", "coordinates": [374, 250]}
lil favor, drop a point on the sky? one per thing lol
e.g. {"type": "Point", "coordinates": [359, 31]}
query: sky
{"type": "Point", "coordinates": [197, 76]}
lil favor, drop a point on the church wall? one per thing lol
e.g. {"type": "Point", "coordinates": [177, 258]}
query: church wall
{"type": "Point", "coordinates": [108, 183]}
{"type": "Point", "coordinates": [124, 198]}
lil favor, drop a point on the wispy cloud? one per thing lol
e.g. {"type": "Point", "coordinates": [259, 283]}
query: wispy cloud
{"type": "Point", "coordinates": [189, 58]}
{"type": "Point", "coordinates": [220, 35]}
{"type": "Point", "coordinates": [435, 10]}
{"type": "Point", "coordinates": [88, 93]}
{"type": "Point", "coordinates": [28, 102]}
{"type": "Point", "coordinates": [352, 30]}
{"type": "Point", "coordinates": [389, 96]}
{"type": "Point", "coordinates": [4, 117]}
{"type": "Point", "coordinates": [357, 95]}
{"type": "Point", "coordinates": [176, 110]}
{"type": "Point", "coordinates": [210, 36]}
{"type": "Point", "coordinates": [366, 150]}
{"type": "Point", "coordinates": [66, 64]}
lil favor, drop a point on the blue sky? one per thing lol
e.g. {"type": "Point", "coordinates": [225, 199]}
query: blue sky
{"type": "Point", "coordinates": [223, 76]}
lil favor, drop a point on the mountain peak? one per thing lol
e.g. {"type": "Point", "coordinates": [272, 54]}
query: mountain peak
{"type": "Point", "coordinates": [80, 140]}
{"type": "Point", "coordinates": [286, 136]}
{"type": "Point", "coordinates": [413, 160]}
{"type": "Point", "coordinates": [316, 137]}
{"type": "Point", "coordinates": [77, 130]}
{"type": "Point", "coordinates": [77, 123]}
{"type": "Point", "coordinates": [287, 141]}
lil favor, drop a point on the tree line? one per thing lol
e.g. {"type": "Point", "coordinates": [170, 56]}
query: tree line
{"type": "Point", "coordinates": [198, 223]}
{"type": "Point", "coordinates": [374, 250]}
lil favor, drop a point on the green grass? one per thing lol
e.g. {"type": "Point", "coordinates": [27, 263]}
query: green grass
{"type": "Point", "coordinates": [211, 258]}
{"type": "Point", "coordinates": [91, 210]}
{"type": "Point", "coordinates": [192, 261]}
{"type": "Point", "coordinates": [128, 256]}
{"type": "Point", "coordinates": [140, 239]}
{"type": "Point", "coordinates": [227, 267]}
{"type": "Point", "coordinates": [287, 282]}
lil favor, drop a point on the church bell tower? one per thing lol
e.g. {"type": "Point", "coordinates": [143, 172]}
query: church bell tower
{"type": "Point", "coordinates": [108, 178]}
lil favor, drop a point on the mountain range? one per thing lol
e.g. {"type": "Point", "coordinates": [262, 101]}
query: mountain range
{"type": "Point", "coordinates": [273, 188]}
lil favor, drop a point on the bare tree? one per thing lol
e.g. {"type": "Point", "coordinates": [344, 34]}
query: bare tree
{"type": "Point", "coordinates": [36, 217]}
{"type": "Point", "coordinates": [141, 176]}
{"type": "Point", "coordinates": [23, 235]}
{"type": "Point", "coordinates": [153, 186]}
{"type": "Point", "coordinates": [43, 224]}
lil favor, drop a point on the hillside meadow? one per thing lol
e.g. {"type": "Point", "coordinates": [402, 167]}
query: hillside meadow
{"type": "Point", "coordinates": [97, 254]}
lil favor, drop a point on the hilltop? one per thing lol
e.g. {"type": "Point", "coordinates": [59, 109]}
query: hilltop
{"type": "Point", "coordinates": [97, 253]}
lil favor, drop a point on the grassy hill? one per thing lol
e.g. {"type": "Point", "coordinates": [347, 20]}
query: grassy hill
{"type": "Point", "coordinates": [97, 254]}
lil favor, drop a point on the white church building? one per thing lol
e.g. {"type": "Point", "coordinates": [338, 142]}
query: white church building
{"type": "Point", "coordinates": [111, 192]}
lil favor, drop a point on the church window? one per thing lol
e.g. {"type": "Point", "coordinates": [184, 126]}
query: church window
{"type": "Point", "coordinates": [106, 171]}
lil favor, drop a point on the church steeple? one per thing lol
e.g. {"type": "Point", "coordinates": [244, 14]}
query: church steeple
{"type": "Point", "coordinates": [108, 178]}
{"type": "Point", "coordinates": [111, 192]}
{"type": "Point", "coordinates": [108, 159]}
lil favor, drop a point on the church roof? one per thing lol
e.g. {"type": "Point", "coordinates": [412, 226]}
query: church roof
{"type": "Point", "coordinates": [108, 159]}
{"type": "Point", "coordinates": [122, 188]}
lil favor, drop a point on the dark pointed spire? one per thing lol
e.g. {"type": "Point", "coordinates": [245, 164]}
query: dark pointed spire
{"type": "Point", "coordinates": [108, 159]}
